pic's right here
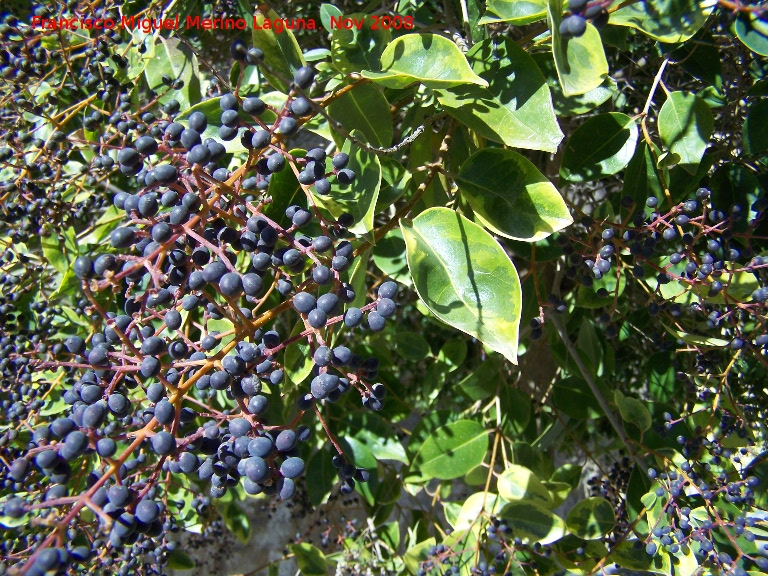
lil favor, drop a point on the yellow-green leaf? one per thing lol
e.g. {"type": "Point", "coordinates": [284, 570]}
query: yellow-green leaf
{"type": "Point", "coordinates": [510, 196]}
{"type": "Point", "coordinates": [430, 59]}
{"type": "Point", "coordinates": [459, 271]}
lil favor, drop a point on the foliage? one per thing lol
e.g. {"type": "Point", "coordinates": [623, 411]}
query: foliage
{"type": "Point", "coordinates": [205, 243]}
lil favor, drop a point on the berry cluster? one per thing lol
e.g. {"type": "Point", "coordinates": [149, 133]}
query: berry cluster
{"type": "Point", "coordinates": [174, 373]}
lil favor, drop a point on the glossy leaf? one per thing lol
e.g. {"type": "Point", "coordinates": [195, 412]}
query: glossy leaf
{"type": "Point", "coordinates": [310, 559]}
{"type": "Point", "coordinates": [515, 109]}
{"type": "Point", "coordinates": [358, 198]}
{"type": "Point", "coordinates": [515, 12]}
{"type": "Point", "coordinates": [752, 31]}
{"type": "Point", "coordinates": [179, 560]}
{"type": "Point", "coordinates": [591, 518]}
{"type": "Point", "coordinates": [298, 359]}
{"type": "Point", "coordinates": [412, 345]}
{"type": "Point", "coordinates": [353, 50]}
{"type": "Point", "coordinates": [237, 522]}
{"type": "Point", "coordinates": [326, 12]}
{"type": "Point", "coordinates": [483, 381]}
{"type": "Point", "coordinates": [580, 62]}
{"type": "Point", "coordinates": [458, 271]}
{"type": "Point", "coordinates": [377, 435]}
{"type": "Point", "coordinates": [518, 483]}
{"type": "Point", "coordinates": [633, 411]}
{"type": "Point", "coordinates": [473, 508]}
{"type": "Point", "coordinates": [364, 108]}
{"type": "Point", "coordinates": [389, 257]}
{"type": "Point", "coordinates": [430, 59]}
{"type": "Point", "coordinates": [175, 59]}
{"type": "Point", "coordinates": [282, 54]}
{"type": "Point", "coordinates": [754, 134]}
{"type": "Point", "coordinates": [641, 179]}
{"type": "Point", "coordinates": [510, 196]}
{"type": "Point", "coordinates": [669, 21]}
{"type": "Point", "coordinates": [579, 103]}
{"type": "Point", "coordinates": [574, 398]}
{"type": "Point", "coordinates": [533, 523]}
{"type": "Point", "coordinates": [685, 125]}
{"type": "Point", "coordinates": [324, 476]}
{"type": "Point", "coordinates": [452, 451]}
{"type": "Point", "coordinates": [600, 147]}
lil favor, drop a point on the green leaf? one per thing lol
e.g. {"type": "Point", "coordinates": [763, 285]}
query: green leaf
{"type": "Point", "coordinates": [474, 507]}
{"type": "Point", "coordinates": [515, 109]}
{"type": "Point", "coordinates": [411, 345]}
{"type": "Point", "coordinates": [685, 125]}
{"type": "Point", "coordinates": [600, 147]}
{"type": "Point", "coordinates": [574, 398]}
{"type": "Point", "coordinates": [282, 54]}
{"type": "Point", "coordinates": [580, 62]}
{"type": "Point", "coordinates": [754, 134]}
{"type": "Point", "coordinates": [354, 50]}
{"type": "Point", "coordinates": [591, 518]}
{"type": "Point", "coordinates": [358, 198]}
{"type": "Point", "coordinates": [458, 270]}
{"type": "Point", "coordinates": [324, 476]}
{"type": "Point", "coordinates": [237, 522]}
{"type": "Point", "coordinates": [326, 12]}
{"type": "Point", "coordinates": [569, 474]}
{"type": "Point", "coordinates": [416, 555]}
{"type": "Point", "coordinates": [533, 523]}
{"type": "Point", "coordinates": [55, 253]}
{"type": "Point", "coordinates": [310, 559]}
{"type": "Point", "coordinates": [389, 257]}
{"type": "Point", "coordinates": [670, 21]}
{"type": "Point", "coordinates": [430, 59]}
{"type": "Point", "coordinates": [515, 12]}
{"type": "Point", "coordinates": [510, 197]}
{"type": "Point", "coordinates": [357, 278]}
{"type": "Point", "coordinates": [180, 63]}
{"type": "Point", "coordinates": [482, 383]}
{"type": "Point", "coordinates": [633, 411]}
{"type": "Point", "coordinates": [178, 559]}
{"type": "Point", "coordinates": [518, 483]}
{"type": "Point", "coordinates": [641, 178]}
{"type": "Point", "coordinates": [364, 108]}
{"type": "Point", "coordinates": [577, 104]}
{"type": "Point", "coordinates": [452, 451]}
{"type": "Point", "coordinates": [374, 433]}
{"type": "Point", "coordinates": [752, 31]}
{"type": "Point", "coordinates": [699, 56]}
{"type": "Point", "coordinates": [453, 353]}
{"type": "Point", "coordinates": [298, 360]}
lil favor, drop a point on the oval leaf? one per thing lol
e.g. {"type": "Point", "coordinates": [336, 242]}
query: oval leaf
{"type": "Point", "coordinates": [685, 125]}
{"type": "Point", "coordinates": [364, 108]}
{"type": "Point", "coordinates": [510, 196]}
{"type": "Point", "coordinates": [459, 270]}
{"type": "Point", "coordinates": [282, 54]}
{"type": "Point", "coordinates": [518, 483]}
{"type": "Point", "coordinates": [670, 21]}
{"type": "Point", "coordinates": [430, 59]}
{"type": "Point", "coordinates": [310, 559]}
{"type": "Point", "coordinates": [452, 451]}
{"type": "Point", "coordinates": [580, 62]}
{"type": "Point", "coordinates": [516, 107]}
{"type": "Point", "coordinates": [600, 147]}
{"type": "Point", "coordinates": [633, 411]}
{"type": "Point", "coordinates": [754, 134]}
{"type": "Point", "coordinates": [515, 12]}
{"type": "Point", "coordinates": [354, 49]}
{"type": "Point", "coordinates": [591, 518]}
{"type": "Point", "coordinates": [533, 523]}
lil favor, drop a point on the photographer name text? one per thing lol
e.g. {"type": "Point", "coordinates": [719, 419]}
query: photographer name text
{"type": "Point", "coordinates": [278, 25]}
